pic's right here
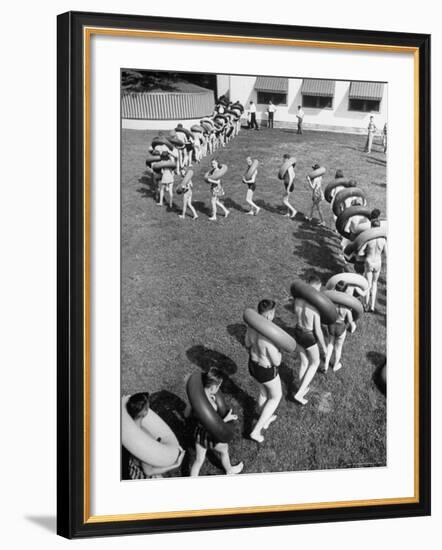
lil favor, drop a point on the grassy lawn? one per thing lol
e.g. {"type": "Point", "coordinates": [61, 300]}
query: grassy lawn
{"type": "Point", "coordinates": [186, 283]}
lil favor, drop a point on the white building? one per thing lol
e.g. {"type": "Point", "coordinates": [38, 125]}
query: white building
{"type": "Point", "coordinates": [333, 105]}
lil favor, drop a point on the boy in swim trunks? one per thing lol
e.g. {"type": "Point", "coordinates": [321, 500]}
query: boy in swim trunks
{"type": "Point", "coordinates": [204, 441]}
{"type": "Point", "coordinates": [317, 195]}
{"type": "Point", "coordinates": [264, 360]}
{"type": "Point", "coordinates": [308, 333]}
{"type": "Point", "coordinates": [373, 251]}
{"type": "Point", "coordinates": [288, 188]}
{"type": "Point", "coordinates": [338, 331]}
{"type": "Point", "coordinates": [251, 184]}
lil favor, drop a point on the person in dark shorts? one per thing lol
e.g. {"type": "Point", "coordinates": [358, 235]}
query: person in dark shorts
{"type": "Point", "coordinates": [308, 334]}
{"type": "Point", "coordinates": [251, 187]}
{"type": "Point", "coordinates": [264, 360]}
{"type": "Point", "coordinates": [288, 188]}
{"type": "Point", "coordinates": [338, 331]}
{"type": "Point", "coordinates": [204, 441]}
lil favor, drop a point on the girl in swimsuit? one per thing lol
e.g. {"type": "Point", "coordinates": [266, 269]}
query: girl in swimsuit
{"type": "Point", "coordinates": [216, 191]}
{"type": "Point", "coordinates": [337, 332]}
{"type": "Point", "coordinates": [204, 441]}
{"type": "Point", "coordinates": [264, 360]}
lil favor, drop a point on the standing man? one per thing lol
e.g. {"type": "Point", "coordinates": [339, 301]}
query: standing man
{"type": "Point", "coordinates": [252, 111]}
{"type": "Point", "coordinates": [300, 116]}
{"type": "Point", "coordinates": [271, 109]}
{"type": "Point", "coordinates": [371, 130]}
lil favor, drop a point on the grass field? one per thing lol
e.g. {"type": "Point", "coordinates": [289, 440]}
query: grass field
{"type": "Point", "coordinates": [186, 283]}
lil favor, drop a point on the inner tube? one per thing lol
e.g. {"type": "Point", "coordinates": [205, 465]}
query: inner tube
{"type": "Point", "coordinates": [185, 131]}
{"type": "Point", "coordinates": [176, 140]}
{"type": "Point", "coordinates": [197, 128]}
{"type": "Point", "coordinates": [348, 213]}
{"type": "Point", "coordinates": [222, 117]}
{"type": "Point", "coordinates": [212, 420]}
{"type": "Point", "coordinates": [353, 192]}
{"type": "Point", "coordinates": [285, 166]}
{"type": "Point", "coordinates": [318, 172]}
{"type": "Point", "coordinates": [217, 174]}
{"type": "Point", "coordinates": [251, 169]}
{"type": "Point", "coordinates": [349, 278]}
{"type": "Point", "coordinates": [364, 237]}
{"type": "Point", "coordinates": [340, 182]}
{"type": "Point", "coordinates": [207, 120]}
{"type": "Point", "coordinates": [237, 112]}
{"type": "Point", "coordinates": [238, 105]}
{"type": "Point", "coordinates": [346, 300]}
{"type": "Point", "coordinates": [187, 177]}
{"type": "Point", "coordinates": [269, 330]}
{"type": "Point", "coordinates": [207, 127]}
{"type": "Point", "coordinates": [161, 141]}
{"type": "Point", "coordinates": [145, 446]}
{"type": "Point", "coordinates": [164, 164]}
{"type": "Point", "coordinates": [152, 158]}
{"type": "Point", "coordinates": [317, 299]}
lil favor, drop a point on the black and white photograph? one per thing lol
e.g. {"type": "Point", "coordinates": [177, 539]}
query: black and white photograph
{"type": "Point", "coordinates": [253, 274]}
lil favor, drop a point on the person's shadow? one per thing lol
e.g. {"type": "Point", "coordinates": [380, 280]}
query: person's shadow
{"type": "Point", "coordinates": [206, 358]}
{"type": "Point", "coordinates": [379, 361]}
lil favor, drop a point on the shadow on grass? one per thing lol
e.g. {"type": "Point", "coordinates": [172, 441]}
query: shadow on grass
{"type": "Point", "coordinates": [315, 245]}
{"type": "Point", "coordinates": [206, 358]}
{"type": "Point", "coordinates": [238, 331]}
{"type": "Point", "coordinates": [201, 207]}
{"type": "Point", "coordinates": [378, 162]}
{"type": "Point", "coordinates": [230, 203]}
{"type": "Point", "coordinates": [379, 361]}
{"type": "Point", "coordinates": [379, 184]}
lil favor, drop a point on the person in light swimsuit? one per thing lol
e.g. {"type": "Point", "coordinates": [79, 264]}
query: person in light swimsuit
{"type": "Point", "coordinates": [372, 251]}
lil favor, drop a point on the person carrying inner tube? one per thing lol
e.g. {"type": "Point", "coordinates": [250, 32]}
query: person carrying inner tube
{"type": "Point", "coordinates": [308, 333]}
{"type": "Point", "coordinates": [217, 192]}
{"type": "Point", "coordinates": [166, 182]}
{"type": "Point", "coordinates": [137, 405]}
{"type": "Point", "coordinates": [204, 441]}
{"type": "Point", "coordinates": [338, 331]}
{"type": "Point", "coordinates": [372, 251]}
{"type": "Point", "coordinates": [288, 188]}
{"type": "Point", "coordinates": [264, 360]}
{"type": "Point", "coordinates": [317, 196]}
{"type": "Point", "coordinates": [251, 187]}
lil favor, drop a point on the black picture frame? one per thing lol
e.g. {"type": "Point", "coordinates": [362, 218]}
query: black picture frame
{"type": "Point", "coordinates": [72, 519]}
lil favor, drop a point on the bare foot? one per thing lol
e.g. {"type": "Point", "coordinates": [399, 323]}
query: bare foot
{"type": "Point", "coordinates": [293, 215]}
{"type": "Point", "coordinates": [257, 437]}
{"type": "Point", "coordinates": [250, 213]}
{"type": "Point", "coordinates": [195, 217]}
{"type": "Point", "coordinates": [236, 469]}
{"type": "Point", "coordinates": [337, 367]}
{"type": "Point", "coordinates": [212, 218]}
{"type": "Point", "coordinates": [227, 213]}
{"type": "Point", "coordinates": [300, 399]}
{"type": "Point", "coordinates": [257, 211]}
{"type": "Point", "coordinates": [181, 216]}
{"type": "Point", "coordinates": [159, 204]}
{"type": "Point", "coordinates": [287, 215]}
{"type": "Point", "coordinates": [269, 421]}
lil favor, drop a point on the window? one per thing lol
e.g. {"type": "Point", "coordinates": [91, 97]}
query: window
{"type": "Point", "coordinates": [317, 102]}
{"type": "Point", "coordinates": [275, 97]}
{"type": "Point", "coordinates": [364, 105]}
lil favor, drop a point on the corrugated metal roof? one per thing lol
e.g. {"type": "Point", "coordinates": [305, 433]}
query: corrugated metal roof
{"type": "Point", "coordinates": [167, 106]}
{"type": "Point", "coordinates": [318, 87]}
{"type": "Point", "coordinates": [366, 90]}
{"type": "Point", "coordinates": [272, 84]}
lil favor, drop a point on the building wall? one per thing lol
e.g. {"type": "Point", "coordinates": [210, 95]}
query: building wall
{"type": "Point", "coordinates": [339, 118]}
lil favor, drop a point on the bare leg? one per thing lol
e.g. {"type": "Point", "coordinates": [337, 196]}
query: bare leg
{"type": "Point", "coordinates": [374, 288]}
{"type": "Point", "coordinates": [160, 202]}
{"type": "Point", "coordinates": [183, 214]}
{"type": "Point", "coordinates": [313, 357]}
{"type": "Point", "coordinates": [221, 205]}
{"type": "Point", "coordinates": [199, 460]}
{"type": "Point", "coordinates": [369, 277]}
{"type": "Point", "coordinates": [292, 211]}
{"type": "Point", "coordinates": [338, 352]}
{"type": "Point", "coordinates": [274, 392]}
{"type": "Point", "coordinates": [170, 190]}
{"type": "Point", "coordinates": [192, 209]}
{"type": "Point", "coordinates": [304, 362]}
{"type": "Point", "coordinates": [222, 449]}
{"type": "Point", "coordinates": [329, 353]}
{"type": "Point", "coordinates": [213, 203]}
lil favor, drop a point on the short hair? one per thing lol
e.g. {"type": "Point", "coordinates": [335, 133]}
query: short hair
{"type": "Point", "coordinates": [266, 305]}
{"type": "Point", "coordinates": [314, 279]}
{"type": "Point", "coordinates": [339, 174]}
{"type": "Point", "coordinates": [299, 106]}
{"type": "Point", "coordinates": [180, 125]}
{"type": "Point", "coordinates": [353, 183]}
{"type": "Point", "coordinates": [213, 377]}
{"type": "Point", "coordinates": [164, 155]}
{"type": "Point", "coordinates": [137, 403]}
{"type": "Point", "coordinates": [375, 223]}
{"type": "Point", "coordinates": [286, 156]}
{"type": "Point", "coordinates": [375, 213]}
{"type": "Point", "coordinates": [215, 160]}
{"type": "Point", "coordinates": [341, 286]}
{"type": "Point", "coordinates": [356, 202]}
{"type": "Point", "coordinates": [315, 166]}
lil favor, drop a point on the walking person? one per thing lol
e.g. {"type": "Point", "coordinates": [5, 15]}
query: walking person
{"type": "Point", "coordinates": [264, 360]}
{"type": "Point", "coordinates": [217, 191]}
{"type": "Point", "coordinates": [251, 187]}
{"type": "Point", "coordinates": [384, 137]}
{"type": "Point", "coordinates": [371, 130]}
{"type": "Point", "coordinates": [271, 110]}
{"type": "Point", "coordinates": [252, 112]}
{"type": "Point", "coordinates": [300, 116]}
